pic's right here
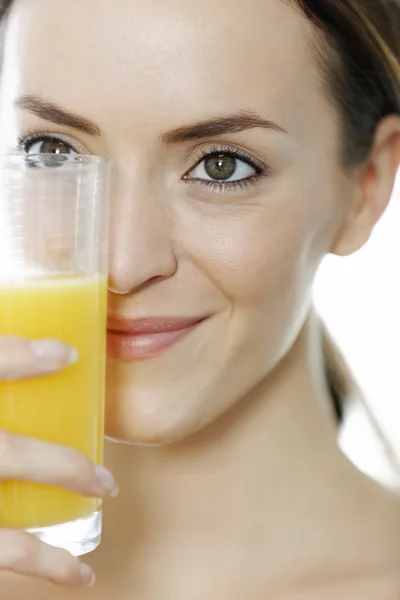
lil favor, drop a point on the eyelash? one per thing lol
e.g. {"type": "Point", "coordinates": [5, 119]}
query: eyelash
{"type": "Point", "coordinates": [35, 136]}
{"type": "Point", "coordinates": [227, 186]}
{"type": "Point", "coordinates": [214, 186]}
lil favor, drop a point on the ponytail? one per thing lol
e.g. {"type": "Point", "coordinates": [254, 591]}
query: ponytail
{"type": "Point", "coordinates": [345, 391]}
{"type": "Point", "coordinates": [340, 381]}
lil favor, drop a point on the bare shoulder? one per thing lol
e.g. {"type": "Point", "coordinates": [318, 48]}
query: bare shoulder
{"type": "Point", "coordinates": [381, 517]}
{"type": "Point", "coordinates": [367, 586]}
{"type": "Point", "coordinates": [363, 562]}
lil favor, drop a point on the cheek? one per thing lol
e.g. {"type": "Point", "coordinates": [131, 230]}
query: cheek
{"type": "Point", "coordinates": [255, 256]}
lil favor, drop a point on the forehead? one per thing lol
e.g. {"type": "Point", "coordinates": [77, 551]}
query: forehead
{"type": "Point", "coordinates": [144, 56]}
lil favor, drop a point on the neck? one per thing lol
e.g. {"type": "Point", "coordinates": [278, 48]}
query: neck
{"type": "Point", "coordinates": [263, 471]}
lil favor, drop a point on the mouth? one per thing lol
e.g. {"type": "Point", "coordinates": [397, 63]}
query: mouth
{"type": "Point", "coordinates": [131, 340]}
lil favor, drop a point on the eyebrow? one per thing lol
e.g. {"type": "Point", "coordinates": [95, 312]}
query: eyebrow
{"type": "Point", "coordinates": [219, 125]}
{"type": "Point", "coordinates": [56, 114]}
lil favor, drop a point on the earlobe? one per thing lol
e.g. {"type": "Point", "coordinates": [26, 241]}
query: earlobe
{"type": "Point", "coordinates": [355, 232]}
{"type": "Point", "coordinates": [373, 189]}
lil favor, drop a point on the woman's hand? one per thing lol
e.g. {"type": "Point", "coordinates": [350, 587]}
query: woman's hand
{"type": "Point", "coordinates": [33, 460]}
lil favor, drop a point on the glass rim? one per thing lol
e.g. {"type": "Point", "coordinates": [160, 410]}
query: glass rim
{"type": "Point", "coordinates": [80, 159]}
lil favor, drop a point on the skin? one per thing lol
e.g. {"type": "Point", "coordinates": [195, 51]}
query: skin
{"type": "Point", "coordinates": [231, 469]}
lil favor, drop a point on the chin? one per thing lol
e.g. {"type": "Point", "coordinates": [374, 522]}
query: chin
{"type": "Point", "coordinates": [147, 424]}
{"type": "Point", "coordinates": [170, 400]}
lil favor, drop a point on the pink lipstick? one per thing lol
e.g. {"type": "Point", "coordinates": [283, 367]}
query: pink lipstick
{"type": "Point", "coordinates": [141, 339]}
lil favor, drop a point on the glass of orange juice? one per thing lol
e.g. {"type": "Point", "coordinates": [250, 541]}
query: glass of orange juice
{"type": "Point", "coordinates": [54, 211]}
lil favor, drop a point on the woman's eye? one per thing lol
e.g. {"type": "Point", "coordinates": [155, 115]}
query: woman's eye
{"type": "Point", "coordinates": [43, 145]}
{"type": "Point", "coordinates": [222, 168]}
{"type": "Point", "coordinates": [46, 145]}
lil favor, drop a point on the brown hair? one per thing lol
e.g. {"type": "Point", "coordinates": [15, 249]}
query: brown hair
{"type": "Point", "coordinates": [358, 54]}
{"type": "Point", "coordinates": [357, 51]}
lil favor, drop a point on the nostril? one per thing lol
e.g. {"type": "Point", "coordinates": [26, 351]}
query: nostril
{"type": "Point", "coordinates": [119, 292]}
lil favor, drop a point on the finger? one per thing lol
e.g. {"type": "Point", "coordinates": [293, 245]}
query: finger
{"type": "Point", "coordinates": [24, 554]}
{"type": "Point", "coordinates": [38, 461]}
{"type": "Point", "coordinates": [23, 358]}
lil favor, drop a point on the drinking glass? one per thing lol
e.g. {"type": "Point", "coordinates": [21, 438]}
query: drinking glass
{"type": "Point", "coordinates": [54, 211]}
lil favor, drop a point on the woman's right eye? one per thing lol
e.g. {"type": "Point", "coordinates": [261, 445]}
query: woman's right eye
{"type": "Point", "coordinates": [41, 144]}
{"type": "Point", "coordinates": [46, 144]}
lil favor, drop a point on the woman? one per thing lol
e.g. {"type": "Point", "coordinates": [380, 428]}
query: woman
{"type": "Point", "coordinates": [249, 140]}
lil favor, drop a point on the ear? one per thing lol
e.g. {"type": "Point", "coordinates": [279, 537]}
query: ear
{"type": "Point", "coordinates": [372, 189]}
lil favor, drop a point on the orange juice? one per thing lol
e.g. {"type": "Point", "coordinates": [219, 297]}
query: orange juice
{"type": "Point", "coordinates": [65, 408]}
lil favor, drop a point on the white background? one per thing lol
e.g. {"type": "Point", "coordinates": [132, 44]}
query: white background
{"type": "Point", "coordinates": [359, 298]}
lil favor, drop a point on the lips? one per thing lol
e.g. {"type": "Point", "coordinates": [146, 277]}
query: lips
{"type": "Point", "coordinates": [141, 339]}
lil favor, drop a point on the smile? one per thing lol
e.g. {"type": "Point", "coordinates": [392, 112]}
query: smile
{"type": "Point", "coordinates": [141, 339]}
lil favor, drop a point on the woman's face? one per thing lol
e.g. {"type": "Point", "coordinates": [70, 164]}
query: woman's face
{"type": "Point", "coordinates": [227, 189]}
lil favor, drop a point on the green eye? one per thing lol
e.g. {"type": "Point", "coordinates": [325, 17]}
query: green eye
{"type": "Point", "coordinates": [45, 151]}
{"type": "Point", "coordinates": [48, 145]}
{"type": "Point", "coordinates": [224, 167]}
{"type": "Point", "coordinates": [54, 147]}
{"type": "Point", "coordinates": [220, 166]}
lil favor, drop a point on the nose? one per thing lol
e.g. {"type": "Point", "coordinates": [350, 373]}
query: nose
{"type": "Point", "coordinates": [141, 237]}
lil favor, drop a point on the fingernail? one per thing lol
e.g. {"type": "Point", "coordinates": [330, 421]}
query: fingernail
{"type": "Point", "coordinates": [106, 480]}
{"type": "Point", "coordinates": [53, 350]}
{"type": "Point", "coordinates": [86, 575]}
